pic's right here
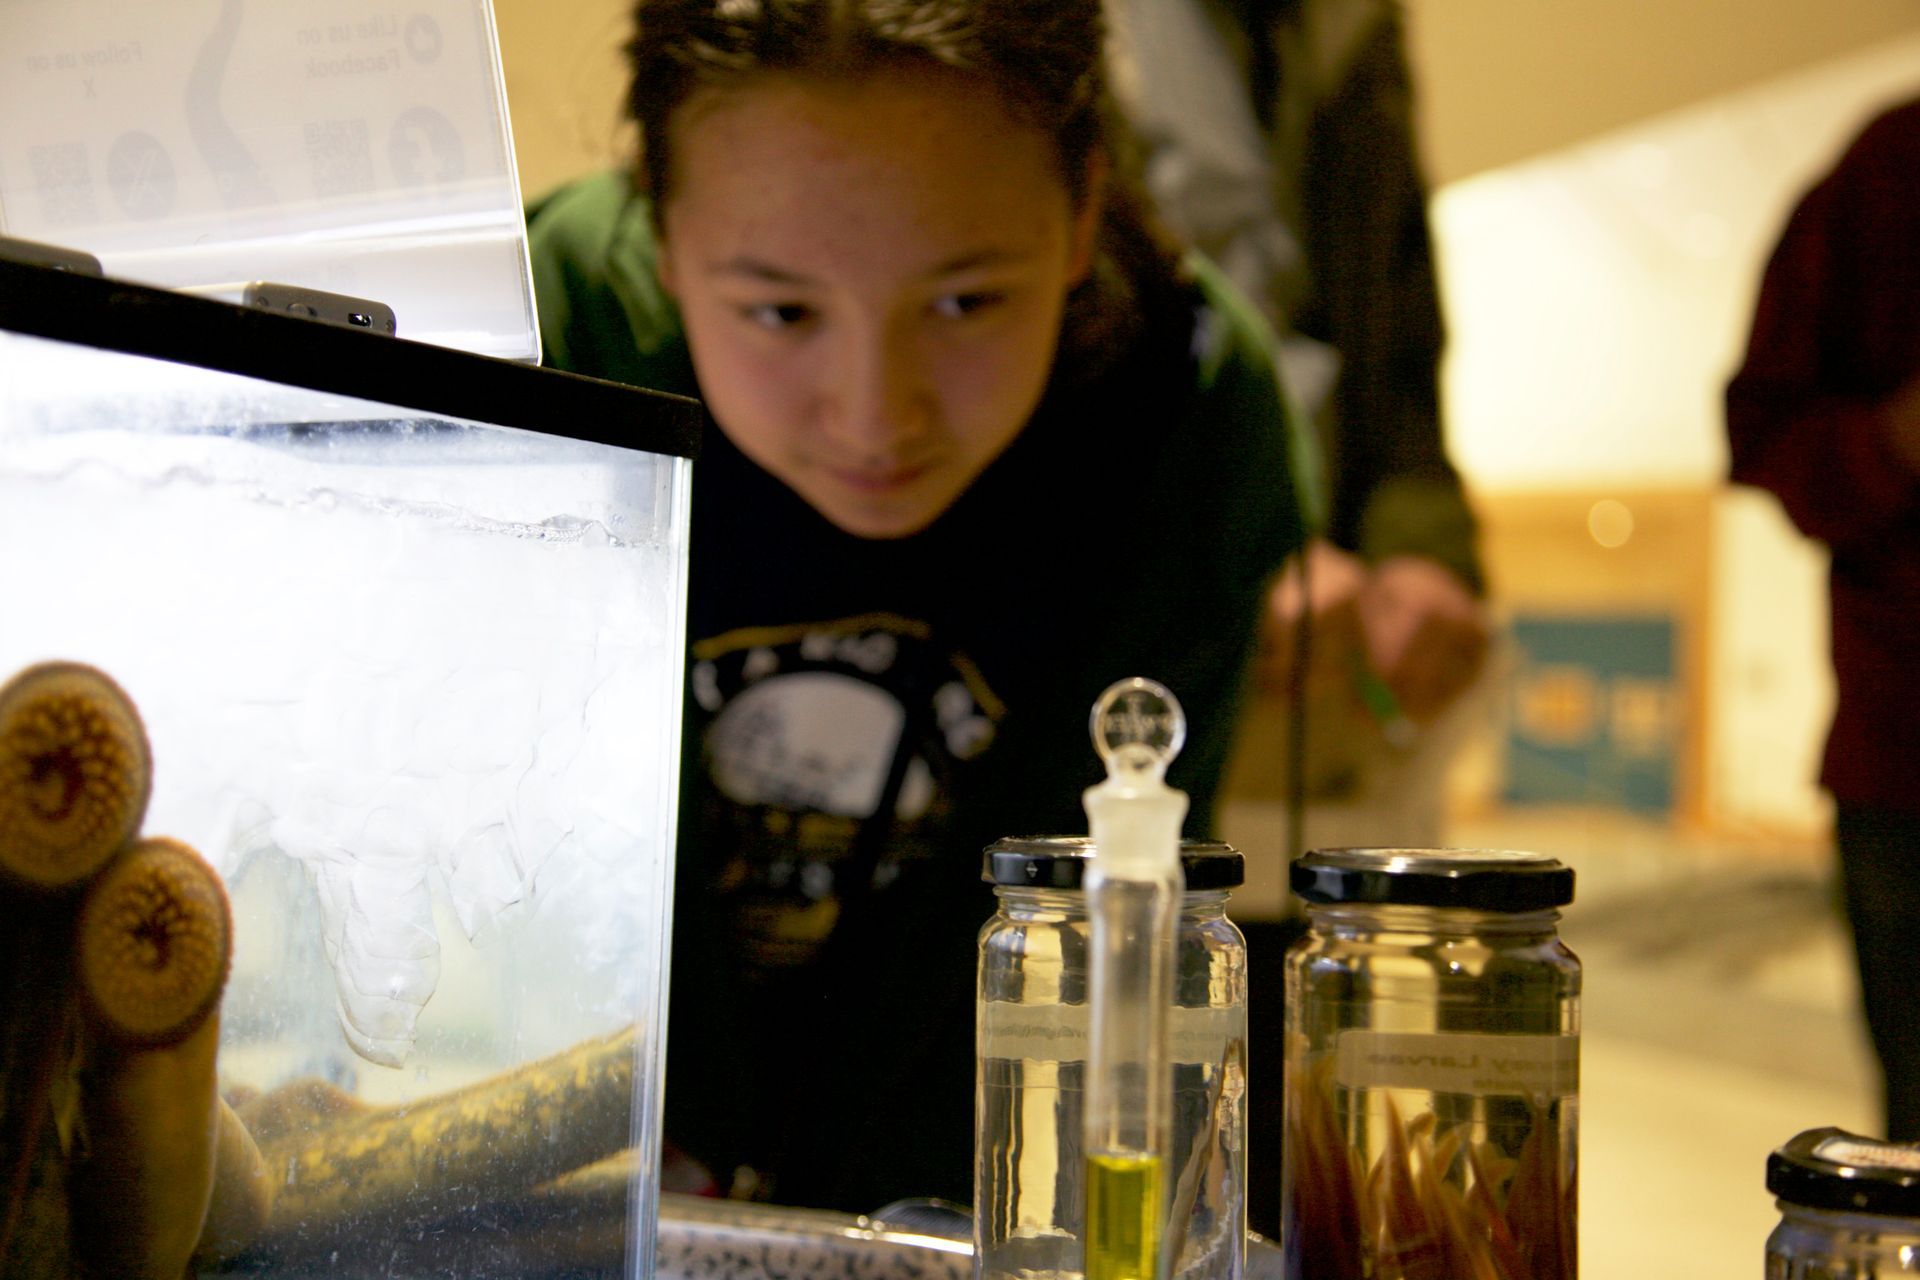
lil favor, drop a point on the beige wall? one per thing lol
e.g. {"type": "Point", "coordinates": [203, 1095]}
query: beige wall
{"type": "Point", "coordinates": [562, 64]}
{"type": "Point", "coordinates": [1499, 80]}
{"type": "Point", "coordinates": [1503, 80]}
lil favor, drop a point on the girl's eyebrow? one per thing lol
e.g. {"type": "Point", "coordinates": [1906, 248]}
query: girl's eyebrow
{"type": "Point", "coordinates": [975, 259]}
{"type": "Point", "coordinates": [758, 269]}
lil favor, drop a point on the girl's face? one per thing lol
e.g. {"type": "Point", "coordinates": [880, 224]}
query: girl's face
{"type": "Point", "coordinates": [872, 277]}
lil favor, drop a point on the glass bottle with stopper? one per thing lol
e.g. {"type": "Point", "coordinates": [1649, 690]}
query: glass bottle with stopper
{"type": "Point", "coordinates": [1134, 887]}
{"type": "Point", "coordinates": [1109, 1179]}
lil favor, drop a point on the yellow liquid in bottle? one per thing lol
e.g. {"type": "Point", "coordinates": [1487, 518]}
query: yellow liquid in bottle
{"type": "Point", "coordinates": [1123, 1216]}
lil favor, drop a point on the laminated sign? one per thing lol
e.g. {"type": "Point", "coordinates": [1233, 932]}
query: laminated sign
{"type": "Point", "coordinates": [347, 145]}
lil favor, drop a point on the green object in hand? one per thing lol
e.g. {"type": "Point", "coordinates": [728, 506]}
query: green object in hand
{"type": "Point", "coordinates": [1385, 709]}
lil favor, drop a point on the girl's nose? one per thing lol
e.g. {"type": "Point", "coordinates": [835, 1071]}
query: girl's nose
{"type": "Point", "coordinates": [881, 401]}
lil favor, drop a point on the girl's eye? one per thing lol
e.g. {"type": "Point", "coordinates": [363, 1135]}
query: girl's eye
{"type": "Point", "coordinates": [778, 315]}
{"type": "Point", "coordinates": [956, 306]}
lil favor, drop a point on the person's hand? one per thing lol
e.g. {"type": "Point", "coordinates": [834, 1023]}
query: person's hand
{"type": "Point", "coordinates": [1903, 423]}
{"type": "Point", "coordinates": [1426, 635]}
{"type": "Point", "coordinates": [1330, 597]}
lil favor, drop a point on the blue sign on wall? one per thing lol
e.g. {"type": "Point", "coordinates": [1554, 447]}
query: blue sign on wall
{"type": "Point", "coordinates": [1594, 712]}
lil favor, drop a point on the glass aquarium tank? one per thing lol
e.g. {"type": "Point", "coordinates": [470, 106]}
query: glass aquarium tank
{"type": "Point", "coordinates": [404, 627]}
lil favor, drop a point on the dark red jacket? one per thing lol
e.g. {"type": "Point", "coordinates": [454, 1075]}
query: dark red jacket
{"type": "Point", "coordinates": [1836, 332]}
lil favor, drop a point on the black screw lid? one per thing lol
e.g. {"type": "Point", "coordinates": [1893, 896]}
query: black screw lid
{"type": "Point", "coordinates": [1833, 1169]}
{"type": "Point", "coordinates": [1060, 862]}
{"type": "Point", "coordinates": [1473, 879]}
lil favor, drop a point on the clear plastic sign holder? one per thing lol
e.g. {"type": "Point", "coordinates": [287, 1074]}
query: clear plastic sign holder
{"type": "Point", "coordinates": [351, 146]}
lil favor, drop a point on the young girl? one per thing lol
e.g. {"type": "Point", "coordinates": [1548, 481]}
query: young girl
{"type": "Point", "coordinates": [985, 446]}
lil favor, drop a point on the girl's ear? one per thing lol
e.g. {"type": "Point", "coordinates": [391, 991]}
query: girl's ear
{"type": "Point", "coordinates": [1086, 219]}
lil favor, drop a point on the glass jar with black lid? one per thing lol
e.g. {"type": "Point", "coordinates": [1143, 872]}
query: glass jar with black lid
{"type": "Point", "coordinates": [1432, 1066]}
{"type": "Point", "coordinates": [1849, 1207]}
{"type": "Point", "coordinates": [1031, 1036]}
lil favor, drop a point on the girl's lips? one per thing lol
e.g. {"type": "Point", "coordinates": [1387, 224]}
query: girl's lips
{"type": "Point", "coordinates": [880, 481]}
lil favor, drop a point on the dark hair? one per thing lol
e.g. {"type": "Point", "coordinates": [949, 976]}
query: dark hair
{"type": "Point", "coordinates": [1044, 58]}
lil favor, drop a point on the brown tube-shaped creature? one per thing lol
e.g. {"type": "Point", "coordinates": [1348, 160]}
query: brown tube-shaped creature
{"type": "Point", "coordinates": [154, 941]}
{"type": "Point", "coordinates": [153, 944]}
{"type": "Point", "coordinates": [38, 1037]}
{"type": "Point", "coordinates": [36, 1244]}
{"type": "Point", "coordinates": [490, 1141]}
{"type": "Point", "coordinates": [300, 1108]}
{"type": "Point", "coordinates": [143, 1176]}
{"type": "Point", "coordinates": [75, 771]}
{"type": "Point", "coordinates": [242, 1198]}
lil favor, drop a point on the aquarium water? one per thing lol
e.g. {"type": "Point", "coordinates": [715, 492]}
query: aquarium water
{"type": "Point", "coordinates": [412, 687]}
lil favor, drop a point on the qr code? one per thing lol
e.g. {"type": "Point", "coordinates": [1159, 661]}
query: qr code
{"type": "Point", "coordinates": [341, 157]}
{"type": "Point", "coordinates": [64, 181]}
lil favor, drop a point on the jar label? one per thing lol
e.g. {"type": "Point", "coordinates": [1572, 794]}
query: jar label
{"type": "Point", "coordinates": [1528, 1066]}
{"type": "Point", "coordinates": [1869, 1154]}
{"type": "Point", "coordinates": [1058, 1032]}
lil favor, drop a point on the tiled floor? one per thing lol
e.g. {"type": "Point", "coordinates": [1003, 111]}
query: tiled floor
{"type": "Point", "coordinates": [1718, 1021]}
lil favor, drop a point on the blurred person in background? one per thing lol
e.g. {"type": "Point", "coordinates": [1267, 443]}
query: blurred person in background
{"type": "Point", "coordinates": [1824, 413]}
{"type": "Point", "coordinates": [1280, 138]}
